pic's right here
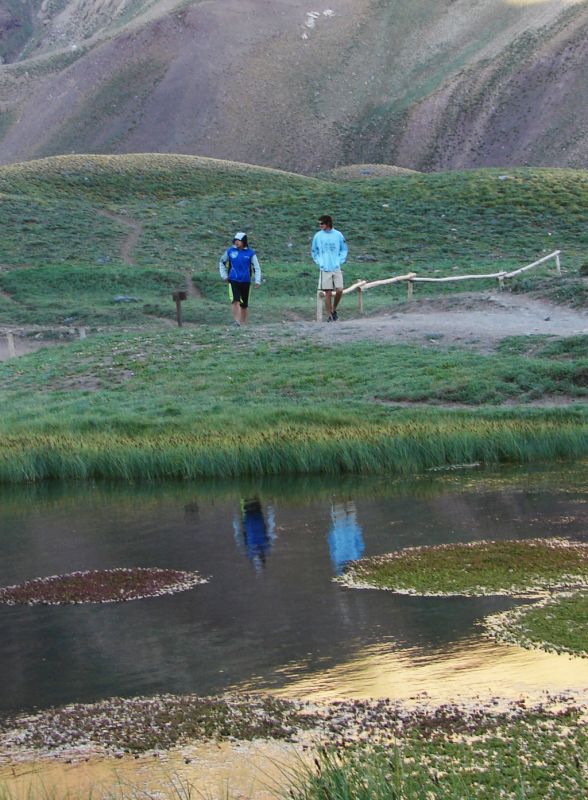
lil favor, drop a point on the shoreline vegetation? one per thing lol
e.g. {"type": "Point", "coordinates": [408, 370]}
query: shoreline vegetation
{"type": "Point", "coordinates": [417, 441]}
{"type": "Point", "coordinates": [349, 750]}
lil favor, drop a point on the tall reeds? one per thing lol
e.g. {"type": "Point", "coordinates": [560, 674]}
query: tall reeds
{"type": "Point", "coordinates": [404, 447]}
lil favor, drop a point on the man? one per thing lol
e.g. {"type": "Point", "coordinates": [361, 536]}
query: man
{"type": "Point", "coordinates": [242, 265]}
{"type": "Point", "coordinates": [329, 251]}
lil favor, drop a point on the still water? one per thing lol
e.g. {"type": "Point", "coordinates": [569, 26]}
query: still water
{"type": "Point", "coordinates": [271, 617]}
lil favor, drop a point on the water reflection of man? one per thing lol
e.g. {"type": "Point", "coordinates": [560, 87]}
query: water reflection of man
{"type": "Point", "coordinates": [257, 535]}
{"type": "Point", "coordinates": [345, 536]}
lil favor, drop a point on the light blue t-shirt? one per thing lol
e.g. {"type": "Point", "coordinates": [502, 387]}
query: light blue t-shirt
{"type": "Point", "coordinates": [329, 249]}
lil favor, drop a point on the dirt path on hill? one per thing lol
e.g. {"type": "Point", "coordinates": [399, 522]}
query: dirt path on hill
{"type": "Point", "coordinates": [128, 245]}
{"type": "Point", "coordinates": [472, 321]}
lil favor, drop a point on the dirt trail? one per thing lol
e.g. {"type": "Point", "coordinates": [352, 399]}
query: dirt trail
{"type": "Point", "coordinates": [131, 240]}
{"type": "Point", "coordinates": [473, 321]}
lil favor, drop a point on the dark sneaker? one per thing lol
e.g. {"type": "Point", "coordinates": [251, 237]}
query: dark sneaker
{"type": "Point", "coordinates": [335, 316]}
{"type": "Point", "coordinates": [330, 318]}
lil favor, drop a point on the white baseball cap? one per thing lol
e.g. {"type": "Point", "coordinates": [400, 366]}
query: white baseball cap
{"type": "Point", "coordinates": [240, 235]}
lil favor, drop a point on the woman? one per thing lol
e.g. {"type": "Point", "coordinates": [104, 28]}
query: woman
{"type": "Point", "coordinates": [237, 266]}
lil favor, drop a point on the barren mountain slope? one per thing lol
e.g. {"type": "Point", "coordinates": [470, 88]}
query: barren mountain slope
{"type": "Point", "coordinates": [428, 84]}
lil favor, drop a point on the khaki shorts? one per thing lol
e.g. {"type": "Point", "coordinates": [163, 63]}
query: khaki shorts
{"type": "Point", "coordinates": [330, 280]}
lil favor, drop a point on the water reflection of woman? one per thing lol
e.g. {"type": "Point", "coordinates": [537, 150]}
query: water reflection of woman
{"type": "Point", "coordinates": [345, 536]}
{"type": "Point", "coordinates": [257, 535]}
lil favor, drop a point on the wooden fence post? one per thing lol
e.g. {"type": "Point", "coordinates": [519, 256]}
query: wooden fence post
{"type": "Point", "coordinates": [360, 300]}
{"type": "Point", "coordinates": [409, 288]}
{"type": "Point", "coordinates": [557, 264]}
{"type": "Point", "coordinates": [11, 349]}
{"type": "Point", "coordinates": [319, 305]}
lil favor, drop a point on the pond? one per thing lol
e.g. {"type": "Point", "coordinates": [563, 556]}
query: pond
{"type": "Point", "coordinates": [271, 618]}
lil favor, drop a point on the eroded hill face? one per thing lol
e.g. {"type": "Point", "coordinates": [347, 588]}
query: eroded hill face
{"type": "Point", "coordinates": [426, 84]}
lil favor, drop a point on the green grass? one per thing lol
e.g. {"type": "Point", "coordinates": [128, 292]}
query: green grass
{"type": "Point", "coordinates": [189, 207]}
{"type": "Point", "coordinates": [481, 568]}
{"type": "Point", "coordinates": [141, 398]}
{"type": "Point", "coordinates": [163, 404]}
{"type": "Point", "coordinates": [559, 625]}
{"type": "Point", "coordinates": [73, 294]}
{"type": "Point", "coordinates": [535, 757]}
{"type": "Point", "coordinates": [198, 368]}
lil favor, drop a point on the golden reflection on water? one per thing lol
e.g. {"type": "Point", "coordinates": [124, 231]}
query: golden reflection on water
{"type": "Point", "coordinates": [472, 668]}
{"type": "Point", "coordinates": [251, 770]}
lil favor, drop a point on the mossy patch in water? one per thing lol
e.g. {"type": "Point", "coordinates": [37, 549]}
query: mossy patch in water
{"type": "Point", "coordinates": [100, 586]}
{"type": "Point", "coordinates": [517, 568]}
{"type": "Point", "coordinates": [558, 625]}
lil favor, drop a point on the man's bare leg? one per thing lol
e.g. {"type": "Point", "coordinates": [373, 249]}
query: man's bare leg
{"type": "Point", "coordinates": [328, 303]}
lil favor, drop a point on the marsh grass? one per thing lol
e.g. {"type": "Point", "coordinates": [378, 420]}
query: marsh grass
{"type": "Point", "coordinates": [525, 568]}
{"type": "Point", "coordinates": [306, 444]}
{"type": "Point", "coordinates": [535, 757]}
{"type": "Point", "coordinates": [558, 625]}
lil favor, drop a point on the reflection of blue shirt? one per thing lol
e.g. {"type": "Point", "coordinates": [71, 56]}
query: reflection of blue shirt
{"type": "Point", "coordinates": [257, 542]}
{"type": "Point", "coordinates": [257, 536]}
{"type": "Point", "coordinates": [345, 537]}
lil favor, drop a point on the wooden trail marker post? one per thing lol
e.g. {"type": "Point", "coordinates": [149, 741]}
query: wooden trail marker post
{"type": "Point", "coordinates": [178, 297]}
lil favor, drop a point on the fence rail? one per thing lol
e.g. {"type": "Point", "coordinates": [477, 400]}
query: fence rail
{"type": "Point", "coordinates": [411, 278]}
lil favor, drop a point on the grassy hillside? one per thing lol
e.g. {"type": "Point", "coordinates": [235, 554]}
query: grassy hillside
{"type": "Point", "coordinates": [141, 398]}
{"type": "Point", "coordinates": [63, 258]}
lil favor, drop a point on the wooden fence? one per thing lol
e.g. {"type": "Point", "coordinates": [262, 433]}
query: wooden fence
{"type": "Point", "coordinates": [411, 278]}
{"type": "Point", "coordinates": [11, 344]}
